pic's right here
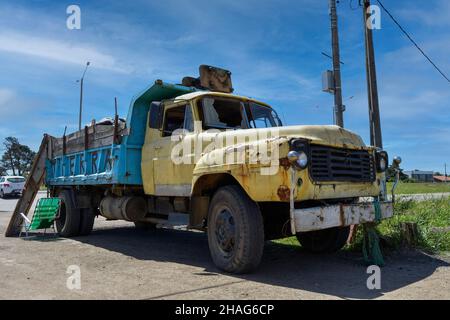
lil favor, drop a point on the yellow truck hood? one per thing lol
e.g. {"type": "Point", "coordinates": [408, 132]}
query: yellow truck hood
{"type": "Point", "coordinates": [328, 135]}
{"type": "Point", "coordinates": [325, 135]}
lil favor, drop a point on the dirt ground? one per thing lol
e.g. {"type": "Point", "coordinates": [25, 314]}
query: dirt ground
{"type": "Point", "coordinates": [119, 262]}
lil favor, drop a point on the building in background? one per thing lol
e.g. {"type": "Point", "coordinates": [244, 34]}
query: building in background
{"type": "Point", "coordinates": [420, 176]}
{"type": "Point", "coordinates": [441, 179]}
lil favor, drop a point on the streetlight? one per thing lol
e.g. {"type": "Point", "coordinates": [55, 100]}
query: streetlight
{"type": "Point", "coordinates": [81, 94]}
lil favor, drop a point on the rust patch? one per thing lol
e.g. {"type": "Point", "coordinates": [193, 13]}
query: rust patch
{"type": "Point", "coordinates": [285, 177]}
{"type": "Point", "coordinates": [244, 170]}
{"type": "Point", "coordinates": [284, 162]}
{"type": "Point", "coordinates": [284, 193]}
{"type": "Point", "coordinates": [341, 214]}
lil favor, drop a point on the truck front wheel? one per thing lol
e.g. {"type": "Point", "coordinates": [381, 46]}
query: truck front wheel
{"type": "Point", "coordinates": [235, 231]}
{"type": "Point", "coordinates": [87, 218]}
{"type": "Point", "coordinates": [324, 241]}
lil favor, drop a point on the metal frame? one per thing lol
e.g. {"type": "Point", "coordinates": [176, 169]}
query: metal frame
{"type": "Point", "coordinates": [324, 217]}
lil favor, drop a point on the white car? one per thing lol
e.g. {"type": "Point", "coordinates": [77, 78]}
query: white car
{"type": "Point", "coordinates": [11, 186]}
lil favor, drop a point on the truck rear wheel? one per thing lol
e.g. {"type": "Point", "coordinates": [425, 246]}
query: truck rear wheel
{"type": "Point", "coordinates": [235, 231]}
{"type": "Point", "coordinates": [68, 223]}
{"type": "Point", "coordinates": [324, 241]}
{"type": "Point", "coordinates": [87, 218]}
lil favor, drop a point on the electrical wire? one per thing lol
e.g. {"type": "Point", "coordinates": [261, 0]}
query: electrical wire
{"type": "Point", "coordinates": [413, 42]}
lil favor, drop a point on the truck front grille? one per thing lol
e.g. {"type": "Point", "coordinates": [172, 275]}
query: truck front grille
{"type": "Point", "coordinates": [336, 164]}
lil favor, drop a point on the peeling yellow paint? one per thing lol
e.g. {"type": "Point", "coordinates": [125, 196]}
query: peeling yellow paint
{"type": "Point", "coordinates": [157, 167]}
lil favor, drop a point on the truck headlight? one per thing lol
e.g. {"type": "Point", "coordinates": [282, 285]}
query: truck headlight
{"type": "Point", "coordinates": [298, 159]}
{"type": "Point", "coordinates": [382, 164]}
{"type": "Point", "coordinates": [382, 161]}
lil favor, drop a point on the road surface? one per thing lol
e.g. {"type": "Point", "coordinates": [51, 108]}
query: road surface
{"type": "Point", "coordinates": [118, 262]}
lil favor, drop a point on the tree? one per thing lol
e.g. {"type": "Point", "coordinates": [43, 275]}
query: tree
{"type": "Point", "coordinates": [3, 171]}
{"type": "Point", "coordinates": [17, 157]}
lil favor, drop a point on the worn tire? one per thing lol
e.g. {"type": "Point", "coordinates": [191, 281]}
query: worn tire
{"type": "Point", "coordinates": [87, 218]}
{"type": "Point", "coordinates": [68, 224]}
{"type": "Point", "coordinates": [2, 194]}
{"type": "Point", "coordinates": [324, 241]}
{"type": "Point", "coordinates": [144, 226]}
{"type": "Point", "coordinates": [233, 213]}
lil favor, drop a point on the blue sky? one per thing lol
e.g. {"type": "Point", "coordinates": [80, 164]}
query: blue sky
{"type": "Point", "coordinates": [273, 49]}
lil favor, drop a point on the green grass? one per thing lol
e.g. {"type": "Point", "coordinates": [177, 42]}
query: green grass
{"type": "Point", "coordinates": [429, 216]}
{"type": "Point", "coordinates": [291, 241]}
{"type": "Point", "coordinates": [414, 188]}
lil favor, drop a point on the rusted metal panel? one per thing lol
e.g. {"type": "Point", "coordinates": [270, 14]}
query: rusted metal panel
{"type": "Point", "coordinates": [215, 79]}
{"type": "Point", "coordinates": [325, 217]}
{"type": "Point", "coordinates": [199, 211]}
{"type": "Point", "coordinates": [90, 137]}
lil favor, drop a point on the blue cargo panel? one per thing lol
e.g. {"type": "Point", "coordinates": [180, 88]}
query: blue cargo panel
{"type": "Point", "coordinates": [113, 164]}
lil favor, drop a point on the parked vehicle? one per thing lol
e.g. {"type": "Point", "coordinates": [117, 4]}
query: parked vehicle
{"type": "Point", "coordinates": [11, 186]}
{"type": "Point", "coordinates": [222, 163]}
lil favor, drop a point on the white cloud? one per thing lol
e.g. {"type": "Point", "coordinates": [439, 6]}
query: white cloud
{"type": "Point", "coordinates": [58, 50]}
{"type": "Point", "coordinates": [432, 14]}
{"type": "Point", "coordinates": [6, 95]}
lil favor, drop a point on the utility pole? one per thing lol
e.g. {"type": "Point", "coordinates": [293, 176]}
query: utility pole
{"type": "Point", "coordinates": [81, 95]}
{"type": "Point", "coordinates": [445, 172]}
{"type": "Point", "coordinates": [372, 87]}
{"type": "Point", "coordinates": [338, 107]}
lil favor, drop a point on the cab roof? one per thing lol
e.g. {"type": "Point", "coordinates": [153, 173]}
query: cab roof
{"type": "Point", "coordinates": [197, 94]}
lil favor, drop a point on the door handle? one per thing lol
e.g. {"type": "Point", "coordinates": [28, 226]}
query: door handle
{"type": "Point", "coordinates": [157, 147]}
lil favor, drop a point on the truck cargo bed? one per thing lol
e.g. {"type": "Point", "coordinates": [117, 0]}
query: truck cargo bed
{"type": "Point", "coordinates": [105, 154]}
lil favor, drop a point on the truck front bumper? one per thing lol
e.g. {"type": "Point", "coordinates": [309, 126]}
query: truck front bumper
{"type": "Point", "coordinates": [318, 218]}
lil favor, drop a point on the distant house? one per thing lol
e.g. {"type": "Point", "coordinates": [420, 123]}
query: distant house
{"type": "Point", "coordinates": [441, 179]}
{"type": "Point", "coordinates": [420, 176]}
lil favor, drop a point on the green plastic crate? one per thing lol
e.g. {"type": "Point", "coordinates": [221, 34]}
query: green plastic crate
{"type": "Point", "coordinates": [45, 213]}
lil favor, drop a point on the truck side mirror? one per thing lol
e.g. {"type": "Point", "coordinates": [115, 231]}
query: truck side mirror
{"type": "Point", "coordinates": [155, 115]}
{"type": "Point", "coordinates": [396, 162]}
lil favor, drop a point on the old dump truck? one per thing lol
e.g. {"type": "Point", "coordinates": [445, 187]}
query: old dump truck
{"type": "Point", "coordinates": [220, 162]}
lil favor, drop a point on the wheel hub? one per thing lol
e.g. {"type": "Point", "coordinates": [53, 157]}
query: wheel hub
{"type": "Point", "coordinates": [225, 231]}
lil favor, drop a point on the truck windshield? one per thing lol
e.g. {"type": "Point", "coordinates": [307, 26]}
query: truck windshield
{"type": "Point", "coordinates": [223, 113]}
{"type": "Point", "coordinates": [260, 116]}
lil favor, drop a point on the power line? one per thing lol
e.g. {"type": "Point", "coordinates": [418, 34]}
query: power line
{"type": "Point", "coordinates": [413, 42]}
{"type": "Point", "coordinates": [328, 56]}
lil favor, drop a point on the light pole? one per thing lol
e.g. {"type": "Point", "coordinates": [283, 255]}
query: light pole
{"type": "Point", "coordinates": [81, 94]}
